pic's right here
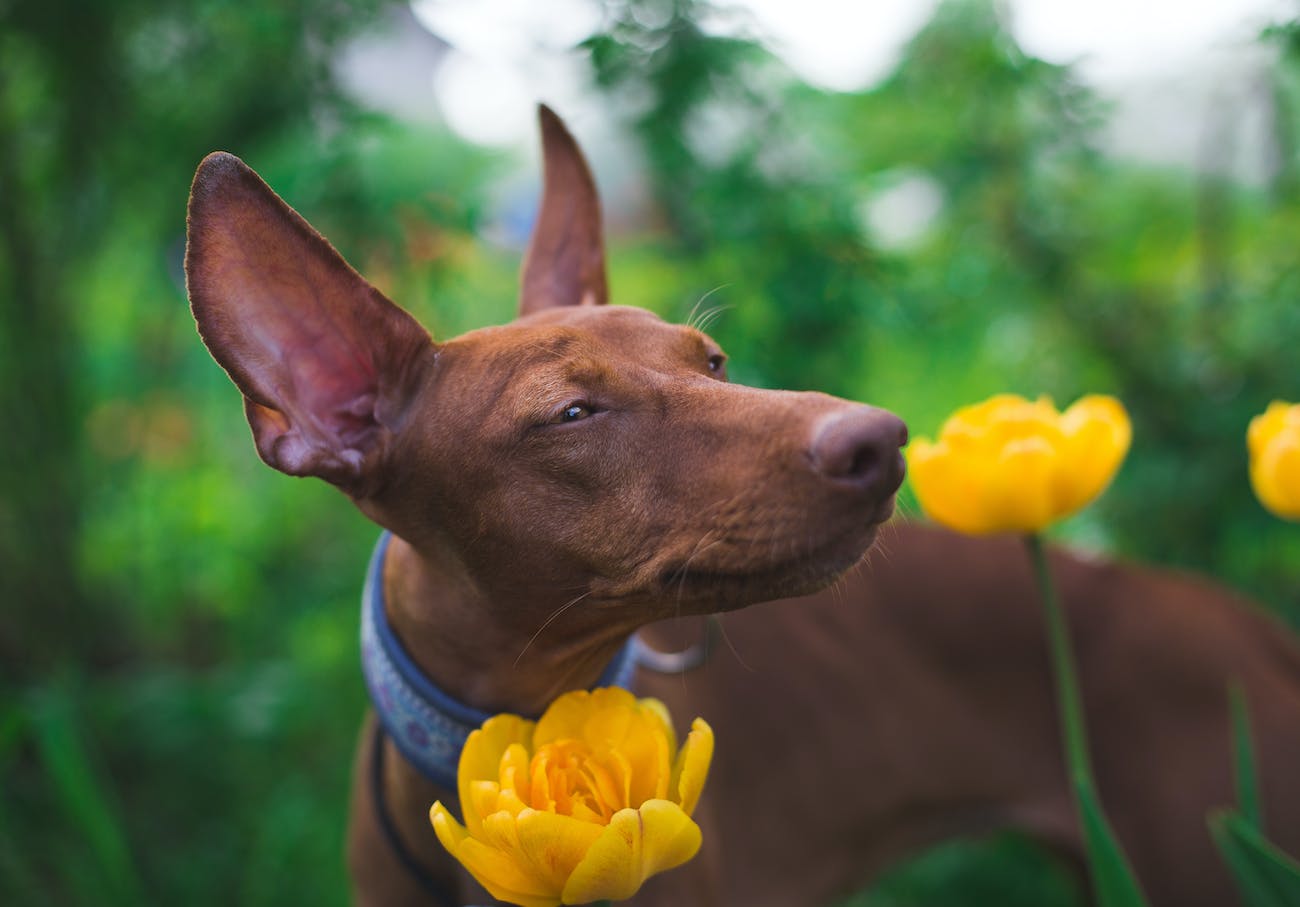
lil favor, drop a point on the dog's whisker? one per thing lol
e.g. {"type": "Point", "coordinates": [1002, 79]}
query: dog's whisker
{"type": "Point", "coordinates": [726, 637]}
{"type": "Point", "coordinates": [690, 319]}
{"type": "Point", "coordinates": [881, 548]}
{"type": "Point", "coordinates": [681, 574]}
{"type": "Point", "coordinates": [709, 317]}
{"type": "Point", "coordinates": [839, 588]}
{"type": "Point", "coordinates": [556, 613]}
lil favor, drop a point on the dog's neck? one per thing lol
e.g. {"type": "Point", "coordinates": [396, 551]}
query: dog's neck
{"type": "Point", "coordinates": [453, 632]}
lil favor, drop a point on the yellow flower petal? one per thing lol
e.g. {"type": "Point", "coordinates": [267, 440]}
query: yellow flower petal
{"type": "Point", "coordinates": [1018, 487]}
{"type": "Point", "coordinates": [634, 846]}
{"type": "Point", "coordinates": [570, 716]}
{"type": "Point", "coordinates": [480, 760]}
{"type": "Point", "coordinates": [1275, 475]}
{"type": "Point", "coordinates": [1269, 424]}
{"type": "Point", "coordinates": [665, 721]}
{"type": "Point", "coordinates": [509, 801]}
{"type": "Point", "coordinates": [944, 492]}
{"type": "Point", "coordinates": [554, 845]}
{"type": "Point", "coordinates": [1097, 434]}
{"type": "Point", "coordinates": [566, 718]}
{"type": "Point", "coordinates": [484, 799]}
{"type": "Point", "coordinates": [1272, 441]}
{"type": "Point", "coordinates": [612, 718]}
{"type": "Point", "coordinates": [604, 780]}
{"type": "Point", "coordinates": [498, 871]}
{"type": "Point", "coordinates": [638, 738]}
{"type": "Point", "coordinates": [493, 869]}
{"type": "Point", "coordinates": [515, 771]}
{"type": "Point", "coordinates": [693, 766]}
{"type": "Point", "coordinates": [449, 831]}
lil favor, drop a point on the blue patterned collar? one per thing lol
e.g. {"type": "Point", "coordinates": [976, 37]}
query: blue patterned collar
{"type": "Point", "coordinates": [428, 726]}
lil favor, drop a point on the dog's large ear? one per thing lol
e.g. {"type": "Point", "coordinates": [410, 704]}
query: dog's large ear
{"type": "Point", "coordinates": [326, 364]}
{"type": "Point", "coordinates": [565, 264]}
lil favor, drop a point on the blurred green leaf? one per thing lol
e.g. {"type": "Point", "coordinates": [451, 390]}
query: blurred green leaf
{"type": "Point", "coordinates": [1265, 876]}
{"type": "Point", "coordinates": [1006, 869]}
{"type": "Point", "coordinates": [1243, 759]}
{"type": "Point", "coordinates": [1113, 879]}
{"type": "Point", "coordinates": [84, 798]}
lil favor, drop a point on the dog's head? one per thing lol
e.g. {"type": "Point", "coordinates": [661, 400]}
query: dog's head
{"type": "Point", "coordinates": [583, 447]}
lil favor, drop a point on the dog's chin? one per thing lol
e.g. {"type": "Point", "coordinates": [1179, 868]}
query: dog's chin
{"type": "Point", "coordinates": [702, 588]}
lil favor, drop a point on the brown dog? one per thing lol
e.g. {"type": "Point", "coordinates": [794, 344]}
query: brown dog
{"type": "Point", "coordinates": [555, 484]}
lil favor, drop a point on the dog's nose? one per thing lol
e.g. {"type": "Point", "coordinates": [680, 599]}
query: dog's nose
{"type": "Point", "coordinates": [861, 446]}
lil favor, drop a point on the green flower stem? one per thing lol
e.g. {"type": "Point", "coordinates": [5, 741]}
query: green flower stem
{"type": "Point", "coordinates": [1243, 759]}
{"type": "Point", "coordinates": [1114, 883]}
{"type": "Point", "coordinates": [1069, 700]}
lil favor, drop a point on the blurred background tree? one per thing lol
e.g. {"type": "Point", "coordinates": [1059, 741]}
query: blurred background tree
{"type": "Point", "coordinates": [157, 585]}
{"type": "Point", "coordinates": [178, 677]}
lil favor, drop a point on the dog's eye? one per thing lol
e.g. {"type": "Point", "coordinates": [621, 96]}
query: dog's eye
{"type": "Point", "coordinates": [716, 363]}
{"type": "Point", "coordinates": [574, 411]}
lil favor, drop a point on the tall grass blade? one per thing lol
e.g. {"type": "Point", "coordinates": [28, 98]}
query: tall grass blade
{"type": "Point", "coordinates": [1265, 876]}
{"type": "Point", "coordinates": [1243, 759]}
{"type": "Point", "coordinates": [81, 797]}
{"type": "Point", "coordinates": [1113, 879]}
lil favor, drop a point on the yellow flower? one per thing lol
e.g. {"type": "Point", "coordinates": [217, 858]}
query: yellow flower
{"type": "Point", "coordinates": [584, 804]}
{"type": "Point", "coordinates": [1013, 465]}
{"type": "Point", "coordinates": [1273, 440]}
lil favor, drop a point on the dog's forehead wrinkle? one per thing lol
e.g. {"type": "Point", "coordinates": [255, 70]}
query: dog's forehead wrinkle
{"type": "Point", "coordinates": [622, 350]}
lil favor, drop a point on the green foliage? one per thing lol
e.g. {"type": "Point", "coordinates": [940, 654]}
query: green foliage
{"type": "Point", "coordinates": [1113, 878]}
{"type": "Point", "coordinates": [180, 686]}
{"type": "Point", "coordinates": [1004, 869]}
{"type": "Point", "coordinates": [1265, 876]}
{"type": "Point", "coordinates": [754, 226]}
{"type": "Point", "coordinates": [81, 803]}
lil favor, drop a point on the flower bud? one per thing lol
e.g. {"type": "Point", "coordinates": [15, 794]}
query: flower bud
{"type": "Point", "coordinates": [1273, 441]}
{"type": "Point", "coordinates": [1013, 465]}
